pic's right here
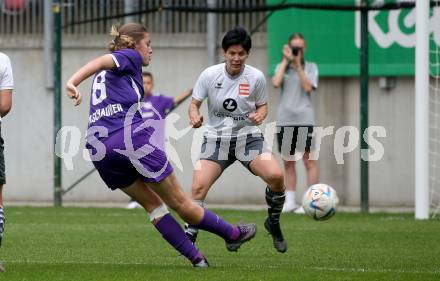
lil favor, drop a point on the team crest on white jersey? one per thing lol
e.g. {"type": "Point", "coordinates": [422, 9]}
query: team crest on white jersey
{"type": "Point", "coordinates": [243, 90]}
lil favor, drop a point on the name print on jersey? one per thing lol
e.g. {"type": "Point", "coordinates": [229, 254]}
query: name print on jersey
{"type": "Point", "coordinates": [107, 111]}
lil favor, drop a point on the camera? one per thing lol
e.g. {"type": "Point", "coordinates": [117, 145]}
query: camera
{"type": "Point", "coordinates": [295, 50]}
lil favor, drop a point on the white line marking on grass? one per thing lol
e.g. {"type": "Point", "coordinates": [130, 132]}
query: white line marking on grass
{"type": "Point", "coordinates": [83, 214]}
{"type": "Point", "coordinates": [171, 259]}
{"type": "Point", "coordinates": [341, 269]}
{"type": "Point", "coordinates": [375, 270]}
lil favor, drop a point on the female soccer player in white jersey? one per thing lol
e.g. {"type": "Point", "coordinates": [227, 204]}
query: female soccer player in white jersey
{"type": "Point", "coordinates": [6, 88]}
{"type": "Point", "coordinates": [237, 104]}
{"type": "Point", "coordinates": [127, 159]}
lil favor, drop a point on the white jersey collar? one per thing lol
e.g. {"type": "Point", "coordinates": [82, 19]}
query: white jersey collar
{"type": "Point", "coordinates": [233, 77]}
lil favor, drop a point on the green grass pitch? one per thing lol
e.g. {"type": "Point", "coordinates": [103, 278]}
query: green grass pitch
{"type": "Point", "coordinates": [47, 244]}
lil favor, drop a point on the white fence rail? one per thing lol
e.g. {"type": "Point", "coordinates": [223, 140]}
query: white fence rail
{"type": "Point", "coordinates": [24, 17]}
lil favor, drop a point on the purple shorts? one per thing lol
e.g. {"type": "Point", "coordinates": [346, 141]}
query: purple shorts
{"type": "Point", "coordinates": [121, 160]}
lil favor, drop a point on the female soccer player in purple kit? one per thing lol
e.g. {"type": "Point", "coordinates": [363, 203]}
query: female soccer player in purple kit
{"type": "Point", "coordinates": [118, 143]}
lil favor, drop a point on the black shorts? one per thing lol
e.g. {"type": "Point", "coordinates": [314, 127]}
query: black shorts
{"type": "Point", "coordinates": [2, 160]}
{"type": "Point", "coordinates": [226, 151]}
{"type": "Point", "coordinates": [294, 138]}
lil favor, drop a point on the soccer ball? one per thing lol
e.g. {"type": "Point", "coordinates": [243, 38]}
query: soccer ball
{"type": "Point", "coordinates": [319, 201]}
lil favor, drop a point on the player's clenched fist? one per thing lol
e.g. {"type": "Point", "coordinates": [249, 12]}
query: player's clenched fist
{"type": "Point", "coordinates": [196, 119]}
{"type": "Point", "coordinates": [73, 93]}
{"type": "Point", "coordinates": [256, 118]}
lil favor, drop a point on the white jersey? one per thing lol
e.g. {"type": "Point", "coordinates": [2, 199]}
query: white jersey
{"type": "Point", "coordinates": [231, 99]}
{"type": "Point", "coordinates": [6, 79]}
{"type": "Point", "coordinates": [295, 107]}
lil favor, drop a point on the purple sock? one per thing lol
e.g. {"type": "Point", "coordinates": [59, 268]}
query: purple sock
{"type": "Point", "coordinates": [215, 224]}
{"type": "Point", "coordinates": [173, 233]}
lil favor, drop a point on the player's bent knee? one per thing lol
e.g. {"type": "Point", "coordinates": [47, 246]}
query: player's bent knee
{"type": "Point", "coordinates": [276, 181]}
{"type": "Point", "coordinates": [198, 191]}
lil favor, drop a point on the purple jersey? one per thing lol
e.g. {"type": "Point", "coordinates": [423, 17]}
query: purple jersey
{"type": "Point", "coordinates": [115, 91]}
{"type": "Point", "coordinates": [162, 105]}
{"type": "Point", "coordinates": [154, 109]}
{"type": "Point", "coordinates": [122, 151]}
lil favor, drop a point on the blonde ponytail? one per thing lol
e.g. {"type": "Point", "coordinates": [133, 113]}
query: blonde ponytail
{"type": "Point", "coordinates": [114, 30]}
{"type": "Point", "coordinates": [126, 36]}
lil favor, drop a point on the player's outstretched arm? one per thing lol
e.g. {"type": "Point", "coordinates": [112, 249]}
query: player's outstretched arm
{"type": "Point", "coordinates": [102, 63]}
{"type": "Point", "coordinates": [182, 97]}
{"type": "Point", "coordinates": [195, 118]}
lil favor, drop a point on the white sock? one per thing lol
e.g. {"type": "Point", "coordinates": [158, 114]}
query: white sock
{"type": "Point", "coordinates": [290, 196]}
